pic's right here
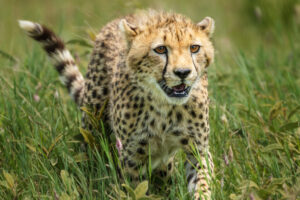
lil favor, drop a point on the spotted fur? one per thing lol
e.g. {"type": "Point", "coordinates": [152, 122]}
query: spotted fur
{"type": "Point", "coordinates": [144, 109]}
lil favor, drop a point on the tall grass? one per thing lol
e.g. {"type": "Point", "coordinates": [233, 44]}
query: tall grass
{"type": "Point", "coordinates": [254, 113]}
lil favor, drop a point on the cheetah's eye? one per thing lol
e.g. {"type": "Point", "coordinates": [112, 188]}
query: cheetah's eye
{"type": "Point", "coordinates": [194, 48]}
{"type": "Point", "coordinates": [160, 50]}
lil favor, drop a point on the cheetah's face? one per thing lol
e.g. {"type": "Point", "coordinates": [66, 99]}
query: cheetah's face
{"type": "Point", "coordinates": [169, 59]}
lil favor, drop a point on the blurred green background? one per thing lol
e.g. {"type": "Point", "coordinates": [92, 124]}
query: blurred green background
{"type": "Point", "coordinates": [242, 24]}
{"type": "Point", "coordinates": [254, 112]}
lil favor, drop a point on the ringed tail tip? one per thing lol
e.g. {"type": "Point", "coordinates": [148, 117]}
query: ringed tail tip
{"type": "Point", "coordinates": [62, 59]}
{"type": "Point", "coordinates": [30, 27]}
{"type": "Point", "coordinates": [26, 25]}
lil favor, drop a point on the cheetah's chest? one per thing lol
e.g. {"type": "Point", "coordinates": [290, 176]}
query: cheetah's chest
{"type": "Point", "coordinates": [153, 129]}
{"type": "Point", "coordinates": [164, 138]}
{"type": "Point", "coordinates": [162, 148]}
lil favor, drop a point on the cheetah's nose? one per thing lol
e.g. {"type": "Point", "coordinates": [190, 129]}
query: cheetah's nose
{"type": "Point", "coordinates": [182, 73]}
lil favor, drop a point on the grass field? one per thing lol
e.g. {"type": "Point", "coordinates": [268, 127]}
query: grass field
{"type": "Point", "coordinates": [254, 112]}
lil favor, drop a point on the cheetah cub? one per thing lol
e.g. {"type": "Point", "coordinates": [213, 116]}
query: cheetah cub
{"type": "Point", "coordinates": [151, 69]}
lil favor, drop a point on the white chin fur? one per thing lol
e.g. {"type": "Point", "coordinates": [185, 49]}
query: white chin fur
{"type": "Point", "coordinates": [177, 101]}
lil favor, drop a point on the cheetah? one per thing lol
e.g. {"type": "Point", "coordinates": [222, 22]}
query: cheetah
{"type": "Point", "coordinates": [151, 69]}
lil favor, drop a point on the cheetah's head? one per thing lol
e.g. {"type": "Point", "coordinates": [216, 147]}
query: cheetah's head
{"type": "Point", "coordinates": [168, 53]}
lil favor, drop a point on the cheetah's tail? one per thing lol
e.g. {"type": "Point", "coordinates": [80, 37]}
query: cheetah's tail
{"type": "Point", "coordinates": [62, 59]}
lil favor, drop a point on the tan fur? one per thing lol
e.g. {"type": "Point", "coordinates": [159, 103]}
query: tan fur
{"type": "Point", "coordinates": [126, 71]}
{"type": "Point", "coordinates": [139, 112]}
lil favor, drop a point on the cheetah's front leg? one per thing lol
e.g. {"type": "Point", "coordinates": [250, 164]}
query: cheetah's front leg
{"type": "Point", "coordinates": [199, 175]}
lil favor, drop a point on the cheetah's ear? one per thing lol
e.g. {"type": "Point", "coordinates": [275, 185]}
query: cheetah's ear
{"type": "Point", "coordinates": [207, 25]}
{"type": "Point", "coordinates": [128, 29]}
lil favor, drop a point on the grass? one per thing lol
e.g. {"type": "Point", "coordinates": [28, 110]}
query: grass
{"type": "Point", "coordinates": [254, 113]}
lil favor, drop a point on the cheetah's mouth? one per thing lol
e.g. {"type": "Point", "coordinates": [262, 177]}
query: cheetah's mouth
{"type": "Point", "coordinates": [181, 90]}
